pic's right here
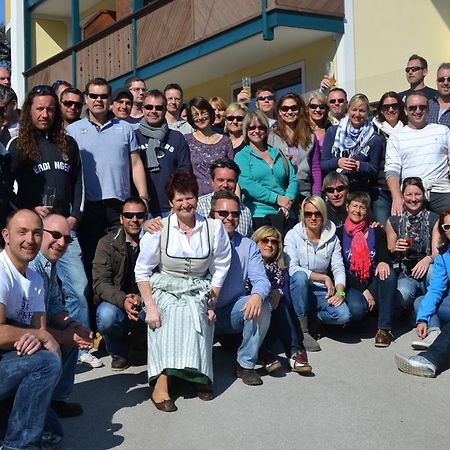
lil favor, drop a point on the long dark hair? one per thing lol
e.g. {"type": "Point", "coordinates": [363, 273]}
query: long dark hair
{"type": "Point", "coordinates": [401, 107]}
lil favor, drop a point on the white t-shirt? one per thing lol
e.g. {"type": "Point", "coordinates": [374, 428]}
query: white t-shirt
{"type": "Point", "coordinates": [22, 296]}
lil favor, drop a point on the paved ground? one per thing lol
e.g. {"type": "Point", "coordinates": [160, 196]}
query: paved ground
{"type": "Point", "coordinates": [355, 399]}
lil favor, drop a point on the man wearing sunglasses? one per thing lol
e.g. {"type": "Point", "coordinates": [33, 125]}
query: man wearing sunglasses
{"type": "Point", "coordinates": [115, 288]}
{"type": "Point", "coordinates": [71, 104]}
{"type": "Point", "coordinates": [337, 101]}
{"type": "Point", "coordinates": [162, 149]}
{"type": "Point", "coordinates": [419, 150]}
{"type": "Point", "coordinates": [439, 105]}
{"type": "Point", "coordinates": [416, 71]}
{"type": "Point", "coordinates": [69, 333]}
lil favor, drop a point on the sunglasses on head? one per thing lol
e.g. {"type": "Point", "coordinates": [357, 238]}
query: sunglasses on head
{"type": "Point", "coordinates": [445, 226]}
{"type": "Point", "coordinates": [224, 213]}
{"type": "Point", "coordinates": [70, 103]}
{"type": "Point", "coordinates": [273, 241]}
{"type": "Point", "coordinates": [42, 89]}
{"type": "Point", "coordinates": [131, 215]}
{"type": "Point", "coordinates": [317, 106]}
{"type": "Point", "coordinates": [336, 100]}
{"type": "Point", "coordinates": [394, 106]}
{"type": "Point", "coordinates": [262, 98]}
{"type": "Point", "coordinates": [57, 235]}
{"type": "Point", "coordinates": [285, 108]}
{"type": "Point", "coordinates": [412, 108]}
{"type": "Point", "coordinates": [331, 190]}
{"type": "Point", "coordinates": [309, 214]}
{"type": "Point", "coordinates": [93, 96]}
{"type": "Point", "coordinates": [442, 79]}
{"type": "Point", "coordinates": [413, 69]}
{"type": "Point", "coordinates": [233, 118]}
{"type": "Point", "coordinates": [259, 127]}
{"type": "Point", "coordinates": [152, 107]}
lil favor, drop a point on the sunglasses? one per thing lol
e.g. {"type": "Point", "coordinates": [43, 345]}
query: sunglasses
{"type": "Point", "coordinates": [412, 108]}
{"type": "Point", "coordinates": [224, 214]}
{"type": "Point", "coordinates": [309, 214]}
{"type": "Point", "coordinates": [394, 106]}
{"type": "Point", "coordinates": [131, 215]}
{"type": "Point", "coordinates": [266, 97]}
{"type": "Point", "coordinates": [93, 96]}
{"type": "Point", "coordinates": [57, 235]}
{"type": "Point", "coordinates": [285, 108]}
{"type": "Point", "coordinates": [442, 79]}
{"type": "Point", "coordinates": [152, 107]}
{"type": "Point", "coordinates": [42, 89]}
{"type": "Point", "coordinates": [331, 190]}
{"type": "Point", "coordinates": [413, 69]}
{"type": "Point", "coordinates": [445, 226]}
{"type": "Point", "coordinates": [70, 103]}
{"type": "Point", "coordinates": [336, 100]}
{"type": "Point", "coordinates": [233, 118]}
{"type": "Point", "coordinates": [317, 106]}
{"type": "Point", "coordinates": [273, 241]}
{"type": "Point", "coordinates": [259, 127]}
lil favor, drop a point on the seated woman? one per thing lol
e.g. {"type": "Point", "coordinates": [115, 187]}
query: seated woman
{"type": "Point", "coordinates": [282, 322]}
{"type": "Point", "coordinates": [433, 310]}
{"type": "Point", "coordinates": [413, 239]}
{"type": "Point", "coordinates": [193, 256]}
{"type": "Point", "coordinates": [312, 252]}
{"type": "Point", "coordinates": [370, 278]}
{"type": "Point", "coordinates": [267, 178]}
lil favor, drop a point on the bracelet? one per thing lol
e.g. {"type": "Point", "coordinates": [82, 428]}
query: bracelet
{"type": "Point", "coordinates": [431, 259]}
{"type": "Point", "coordinates": [44, 341]}
{"type": "Point", "coordinates": [341, 294]}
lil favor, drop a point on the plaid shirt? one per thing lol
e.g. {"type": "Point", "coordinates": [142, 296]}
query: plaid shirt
{"type": "Point", "coordinates": [433, 113]}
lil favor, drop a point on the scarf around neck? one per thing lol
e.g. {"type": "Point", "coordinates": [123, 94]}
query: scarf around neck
{"type": "Point", "coordinates": [360, 256]}
{"type": "Point", "coordinates": [155, 136]}
{"type": "Point", "coordinates": [386, 128]}
{"type": "Point", "coordinates": [350, 141]}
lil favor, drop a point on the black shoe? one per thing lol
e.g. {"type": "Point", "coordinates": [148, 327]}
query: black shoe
{"type": "Point", "coordinates": [119, 364]}
{"type": "Point", "coordinates": [66, 409]}
{"type": "Point", "coordinates": [248, 376]}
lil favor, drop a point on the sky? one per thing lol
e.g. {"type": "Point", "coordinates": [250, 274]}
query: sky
{"type": "Point", "coordinates": [2, 11]}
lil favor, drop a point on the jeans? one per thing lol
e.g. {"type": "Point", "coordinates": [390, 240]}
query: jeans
{"type": "Point", "coordinates": [441, 315]}
{"type": "Point", "coordinates": [30, 380]}
{"type": "Point", "coordinates": [439, 352]}
{"type": "Point", "coordinates": [439, 201]}
{"type": "Point", "coordinates": [307, 297]}
{"type": "Point", "coordinates": [384, 292]}
{"type": "Point", "coordinates": [230, 319]}
{"type": "Point", "coordinates": [69, 364]}
{"type": "Point", "coordinates": [381, 204]}
{"type": "Point", "coordinates": [114, 325]}
{"type": "Point", "coordinates": [409, 289]}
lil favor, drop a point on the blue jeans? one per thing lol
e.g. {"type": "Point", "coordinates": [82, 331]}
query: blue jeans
{"type": "Point", "coordinates": [114, 325]}
{"type": "Point", "coordinates": [439, 352]}
{"type": "Point", "coordinates": [441, 315]}
{"type": "Point", "coordinates": [71, 272]}
{"type": "Point", "coordinates": [384, 292]}
{"type": "Point", "coordinates": [30, 380]}
{"type": "Point", "coordinates": [307, 297]}
{"type": "Point", "coordinates": [230, 319]}
{"type": "Point", "coordinates": [409, 289]}
{"type": "Point", "coordinates": [381, 204]}
{"type": "Point", "coordinates": [69, 364]}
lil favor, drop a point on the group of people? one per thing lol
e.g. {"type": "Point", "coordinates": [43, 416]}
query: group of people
{"type": "Point", "coordinates": [144, 218]}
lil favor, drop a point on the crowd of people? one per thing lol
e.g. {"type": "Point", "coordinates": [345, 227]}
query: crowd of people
{"type": "Point", "coordinates": [135, 219]}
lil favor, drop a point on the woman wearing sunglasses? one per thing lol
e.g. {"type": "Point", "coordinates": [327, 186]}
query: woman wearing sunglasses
{"type": "Point", "coordinates": [313, 255]}
{"type": "Point", "coordinates": [353, 147]}
{"type": "Point", "coordinates": [390, 117]}
{"type": "Point", "coordinates": [204, 143]}
{"type": "Point", "coordinates": [234, 118]}
{"type": "Point", "coordinates": [267, 179]}
{"type": "Point", "coordinates": [193, 256]}
{"type": "Point", "coordinates": [293, 135]}
{"type": "Point", "coordinates": [318, 110]}
{"type": "Point", "coordinates": [282, 326]}
{"type": "Point", "coordinates": [433, 310]}
{"type": "Point", "coordinates": [413, 239]}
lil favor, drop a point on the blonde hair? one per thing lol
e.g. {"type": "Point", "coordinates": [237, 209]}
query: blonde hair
{"type": "Point", "coordinates": [323, 101]}
{"type": "Point", "coordinates": [220, 102]}
{"type": "Point", "coordinates": [317, 201]}
{"type": "Point", "coordinates": [232, 107]}
{"type": "Point", "coordinates": [267, 231]}
{"type": "Point", "coordinates": [359, 98]}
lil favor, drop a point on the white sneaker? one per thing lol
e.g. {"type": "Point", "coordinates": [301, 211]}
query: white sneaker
{"type": "Point", "coordinates": [415, 365]}
{"type": "Point", "coordinates": [423, 344]}
{"type": "Point", "coordinates": [90, 360]}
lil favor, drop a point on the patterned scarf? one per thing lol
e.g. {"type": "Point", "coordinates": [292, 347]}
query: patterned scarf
{"type": "Point", "coordinates": [350, 141]}
{"type": "Point", "coordinates": [417, 228]}
{"type": "Point", "coordinates": [360, 256]}
{"type": "Point", "coordinates": [275, 275]}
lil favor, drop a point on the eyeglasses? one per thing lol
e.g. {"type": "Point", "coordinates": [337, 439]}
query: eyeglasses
{"type": "Point", "coordinates": [259, 127]}
{"type": "Point", "coordinates": [412, 180]}
{"type": "Point", "coordinates": [442, 79]}
{"type": "Point", "coordinates": [413, 69]}
{"type": "Point", "coordinates": [57, 235]}
{"type": "Point", "coordinates": [93, 96]}
{"type": "Point", "coordinates": [309, 214]}
{"type": "Point", "coordinates": [202, 115]}
{"type": "Point", "coordinates": [285, 108]}
{"type": "Point", "coordinates": [42, 89]}
{"type": "Point", "coordinates": [70, 103]}
{"type": "Point", "coordinates": [357, 207]}
{"type": "Point", "coordinates": [317, 106]}
{"type": "Point", "coordinates": [152, 107]}
{"type": "Point", "coordinates": [331, 190]}
{"type": "Point", "coordinates": [386, 108]}
{"type": "Point", "coordinates": [233, 118]}
{"type": "Point", "coordinates": [336, 100]}
{"type": "Point", "coordinates": [412, 108]}
{"type": "Point", "coordinates": [269, 98]}
{"type": "Point", "coordinates": [224, 213]}
{"type": "Point", "coordinates": [273, 241]}
{"type": "Point", "coordinates": [445, 226]}
{"type": "Point", "coordinates": [131, 215]}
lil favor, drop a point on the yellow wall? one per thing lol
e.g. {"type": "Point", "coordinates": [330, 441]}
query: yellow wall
{"type": "Point", "coordinates": [7, 11]}
{"type": "Point", "coordinates": [314, 56]}
{"type": "Point", "coordinates": [50, 37]}
{"type": "Point", "coordinates": [387, 32]}
{"type": "Point", "coordinates": [109, 5]}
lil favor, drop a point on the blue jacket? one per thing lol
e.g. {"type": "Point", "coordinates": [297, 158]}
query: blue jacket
{"type": "Point", "coordinates": [437, 288]}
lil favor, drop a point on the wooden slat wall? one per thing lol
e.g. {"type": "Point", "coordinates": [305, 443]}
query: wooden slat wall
{"type": "Point", "coordinates": [323, 7]}
{"type": "Point", "coordinates": [164, 31]}
{"type": "Point", "coordinates": [108, 57]}
{"type": "Point", "coordinates": [60, 70]}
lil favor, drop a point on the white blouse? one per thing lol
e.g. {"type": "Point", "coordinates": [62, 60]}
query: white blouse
{"type": "Point", "coordinates": [180, 246]}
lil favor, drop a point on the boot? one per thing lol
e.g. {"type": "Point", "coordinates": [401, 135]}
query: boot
{"type": "Point", "coordinates": [309, 342]}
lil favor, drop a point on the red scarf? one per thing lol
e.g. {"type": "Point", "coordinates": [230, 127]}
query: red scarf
{"type": "Point", "coordinates": [360, 260]}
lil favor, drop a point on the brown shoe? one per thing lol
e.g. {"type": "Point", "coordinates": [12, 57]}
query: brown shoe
{"type": "Point", "coordinates": [383, 338]}
{"type": "Point", "coordinates": [248, 376]}
{"type": "Point", "coordinates": [204, 392]}
{"type": "Point", "coordinates": [165, 405]}
{"type": "Point", "coordinates": [119, 363]}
